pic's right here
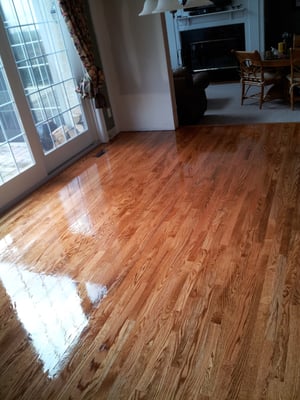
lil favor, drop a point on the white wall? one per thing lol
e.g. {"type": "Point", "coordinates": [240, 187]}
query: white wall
{"type": "Point", "coordinates": [255, 36]}
{"type": "Point", "coordinates": [134, 58]}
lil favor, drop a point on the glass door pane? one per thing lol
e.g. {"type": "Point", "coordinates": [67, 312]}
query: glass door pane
{"type": "Point", "coordinates": [35, 33]}
{"type": "Point", "coordinates": [15, 152]}
{"type": "Point", "coordinates": [43, 121]}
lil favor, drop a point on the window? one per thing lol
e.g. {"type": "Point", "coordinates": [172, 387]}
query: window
{"type": "Point", "coordinates": [15, 154]}
{"type": "Point", "coordinates": [38, 44]}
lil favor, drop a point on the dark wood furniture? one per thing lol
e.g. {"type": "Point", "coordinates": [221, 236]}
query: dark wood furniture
{"type": "Point", "coordinates": [191, 100]}
{"type": "Point", "coordinates": [281, 66]}
{"type": "Point", "coordinates": [276, 63]}
{"type": "Point", "coordinates": [254, 73]}
{"type": "Point", "coordinates": [294, 76]}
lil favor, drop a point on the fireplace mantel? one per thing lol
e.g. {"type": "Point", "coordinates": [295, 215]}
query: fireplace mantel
{"type": "Point", "coordinates": [185, 22]}
{"type": "Point", "coordinates": [248, 12]}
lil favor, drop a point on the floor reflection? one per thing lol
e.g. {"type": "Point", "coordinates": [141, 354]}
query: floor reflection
{"type": "Point", "coordinates": [73, 201]}
{"type": "Point", "coordinates": [50, 309]}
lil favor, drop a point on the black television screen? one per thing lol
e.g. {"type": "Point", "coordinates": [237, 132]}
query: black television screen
{"type": "Point", "coordinates": [221, 3]}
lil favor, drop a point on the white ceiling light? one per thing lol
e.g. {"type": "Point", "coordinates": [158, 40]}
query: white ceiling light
{"type": "Point", "coordinates": [149, 7]}
{"type": "Point", "coordinates": [161, 6]}
{"type": "Point", "coordinates": [168, 5]}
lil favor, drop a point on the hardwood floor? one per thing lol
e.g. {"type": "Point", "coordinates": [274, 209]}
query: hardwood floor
{"type": "Point", "coordinates": [167, 268]}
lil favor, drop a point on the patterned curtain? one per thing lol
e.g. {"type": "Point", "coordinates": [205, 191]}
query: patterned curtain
{"type": "Point", "coordinates": [74, 13]}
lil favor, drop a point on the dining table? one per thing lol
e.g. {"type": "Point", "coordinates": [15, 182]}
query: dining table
{"type": "Point", "coordinates": [276, 63]}
{"type": "Point", "coordinates": [279, 90]}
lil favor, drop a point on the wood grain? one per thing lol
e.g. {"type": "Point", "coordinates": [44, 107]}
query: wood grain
{"type": "Point", "coordinates": [168, 268]}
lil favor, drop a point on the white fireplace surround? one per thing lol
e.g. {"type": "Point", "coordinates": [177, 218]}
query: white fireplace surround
{"type": "Point", "coordinates": [241, 11]}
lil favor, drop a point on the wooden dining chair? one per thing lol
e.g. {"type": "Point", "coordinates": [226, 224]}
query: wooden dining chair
{"type": "Point", "coordinates": [253, 73]}
{"type": "Point", "coordinates": [296, 40]}
{"type": "Point", "coordinates": [294, 76]}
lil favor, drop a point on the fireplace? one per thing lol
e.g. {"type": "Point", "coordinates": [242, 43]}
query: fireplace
{"type": "Point", "coordinates": [210, 48]}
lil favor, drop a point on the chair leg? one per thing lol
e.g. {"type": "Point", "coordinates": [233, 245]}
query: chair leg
{"type": "Point", "coordinates": [243, 94]}
{"type": "Point", "coordinates": [292, 98]}
{"type": "Point", "coordinates": [261, 97]}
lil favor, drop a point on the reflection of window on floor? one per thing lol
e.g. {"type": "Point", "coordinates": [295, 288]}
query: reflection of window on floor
{"type": "Point", "coordinates": [50, 309]}
{"type": "Point", "coordinates": [34, 30]}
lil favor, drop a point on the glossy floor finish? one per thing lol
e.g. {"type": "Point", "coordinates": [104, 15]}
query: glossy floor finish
{"type": "Point", "coordinates": [167, 268]}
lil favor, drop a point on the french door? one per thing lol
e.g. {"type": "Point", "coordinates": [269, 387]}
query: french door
{"type": "Point", "coordinates": [43, 122]}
